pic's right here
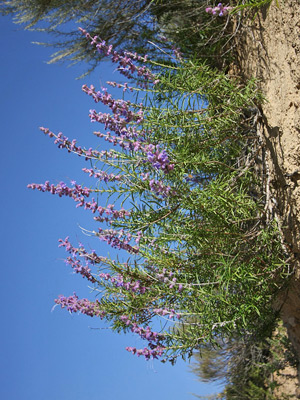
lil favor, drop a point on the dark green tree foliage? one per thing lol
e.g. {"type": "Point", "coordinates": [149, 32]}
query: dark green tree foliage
{"type": "Point", "coordinates": [145, 26]}
{"type": "Point", "coordinates": [118, 21]}
{"type": "Point", "coordinates": [194, 31]}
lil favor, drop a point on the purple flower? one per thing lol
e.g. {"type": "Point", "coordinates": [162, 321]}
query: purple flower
{"type": "Point", "coordinates": [83, 306]}
{"type": "Point", "coordinates": [111, 238]}
{"type": "Point", "coordinates": [92, 257]}
{"type": "Point", "coordinates": [85, 271]}
{"type": "Point", "coordinates": [158, 158]}
{"type": "Point", "coordinates": [63, 142]}
{"type": "Point", "coordinates": [125, 60]}
{"type": "Point", "coordinates": [119, 107]}
{"type": "Point", "coordinates": [219, 10]}
{"type": "Point", "coordinates": [155, 352]}
{"type": "Point", "coordinates": [78, 193]}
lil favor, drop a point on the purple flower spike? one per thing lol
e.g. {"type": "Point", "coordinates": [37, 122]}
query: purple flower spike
{"type": "Point", "coordinates": [125, 60]}
{"type": "Point", "coordinates": [83, 306]}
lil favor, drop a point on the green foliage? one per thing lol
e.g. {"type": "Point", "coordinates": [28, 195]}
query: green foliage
{"type": "Point", "coordinates": [254, 4]}
{"type": "Point", "coordinates": [145, 26]}
{"type": "Point", "coordinates": [122, 23]}
{"type": "Point", "coordinates": [206, 253]}
{"type": "Point", "coordinates": [194, 31]}
{"type": "Point", "coordinates": [125, 24]}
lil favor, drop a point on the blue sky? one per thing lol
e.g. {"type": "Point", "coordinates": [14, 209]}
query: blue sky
{"type": "Point", "coordinates": [51, 354]}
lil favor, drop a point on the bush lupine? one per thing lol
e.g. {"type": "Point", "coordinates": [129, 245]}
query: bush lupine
{"type": "Point", "coordinates": [201, 258]}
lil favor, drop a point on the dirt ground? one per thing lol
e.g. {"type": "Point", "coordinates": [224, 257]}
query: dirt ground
{"type": "Point", "coordinates": [268, 48]}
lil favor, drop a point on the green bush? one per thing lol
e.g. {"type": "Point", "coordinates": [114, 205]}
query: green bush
{"type": "Point", "coordinates": [203, 263]}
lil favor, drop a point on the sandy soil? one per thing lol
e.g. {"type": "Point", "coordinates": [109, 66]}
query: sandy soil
{"type": "Point", "coordinates": [268, 48]}
{"type": "Point", "coordinates": [287, 379]}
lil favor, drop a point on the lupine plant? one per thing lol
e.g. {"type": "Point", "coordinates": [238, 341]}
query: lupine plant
{"type": "Point", "coordinates": [176, 195]}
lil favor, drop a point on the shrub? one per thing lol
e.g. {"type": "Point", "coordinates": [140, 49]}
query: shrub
{"type": "Point", "coordinates": [183, 203]}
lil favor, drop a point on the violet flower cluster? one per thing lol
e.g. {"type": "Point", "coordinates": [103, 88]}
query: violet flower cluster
{"type": "Point", "coordinates": [128, 139]}
{"type": "Point", "coordinates": [123, 86]}
{"type": "Point", "coordinates": [112, 238]}
{"type": "Point", "coordinates": [124, 59]}
{"type": "Point", "coordinates": [158, 187]}
{"type": "Point", "coordinates": [219, 10]}
{"type": "Point", "coordinates": [139, 236]}
{"type": "Point", "coordinates": [177, 53]}
{"type": "Point", "coordinates": [155, 352]}
{"type": "Point", "coordinates": [168, 277]}
{"type": "Point", "coordinates": [118, 125]}
{"type": "Point", "coordinates": [154, 340]}
{"type": "Point", "coordinates": [83, 306]}
{"type": "Point", "coordinates": [158, 158]}
{"type": "Point", "coordinates": [102, 175]}
{"type": "Point", "coordinates": [85, 271]}
{"type": "Point", "coordinates": [115, 123]}
{"type": "Point", "coordinates": [119, 281]}
{"type": "Point", "coordinates": [110, 213]}
{"type": "Point", "coordinates": [119, 107]}
{"type": "Point", "coordinates": [76, 192]}
{"type": "Point", "coordinates": [91, 257]}
{"type": "Point", "coordinates": [64, 142]}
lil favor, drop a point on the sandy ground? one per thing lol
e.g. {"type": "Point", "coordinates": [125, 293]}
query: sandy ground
{"type": "Point", "coordinates": [268, 49]}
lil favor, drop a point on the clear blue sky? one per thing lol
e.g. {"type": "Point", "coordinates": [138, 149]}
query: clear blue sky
{"type": "Point", "coordinates": [53, 355]}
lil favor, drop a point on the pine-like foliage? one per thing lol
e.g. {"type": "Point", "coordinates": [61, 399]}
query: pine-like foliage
{"type": "Point", "coordinates": [119, 22]}
{"type": "Point", "coordinates": [144, 26]}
